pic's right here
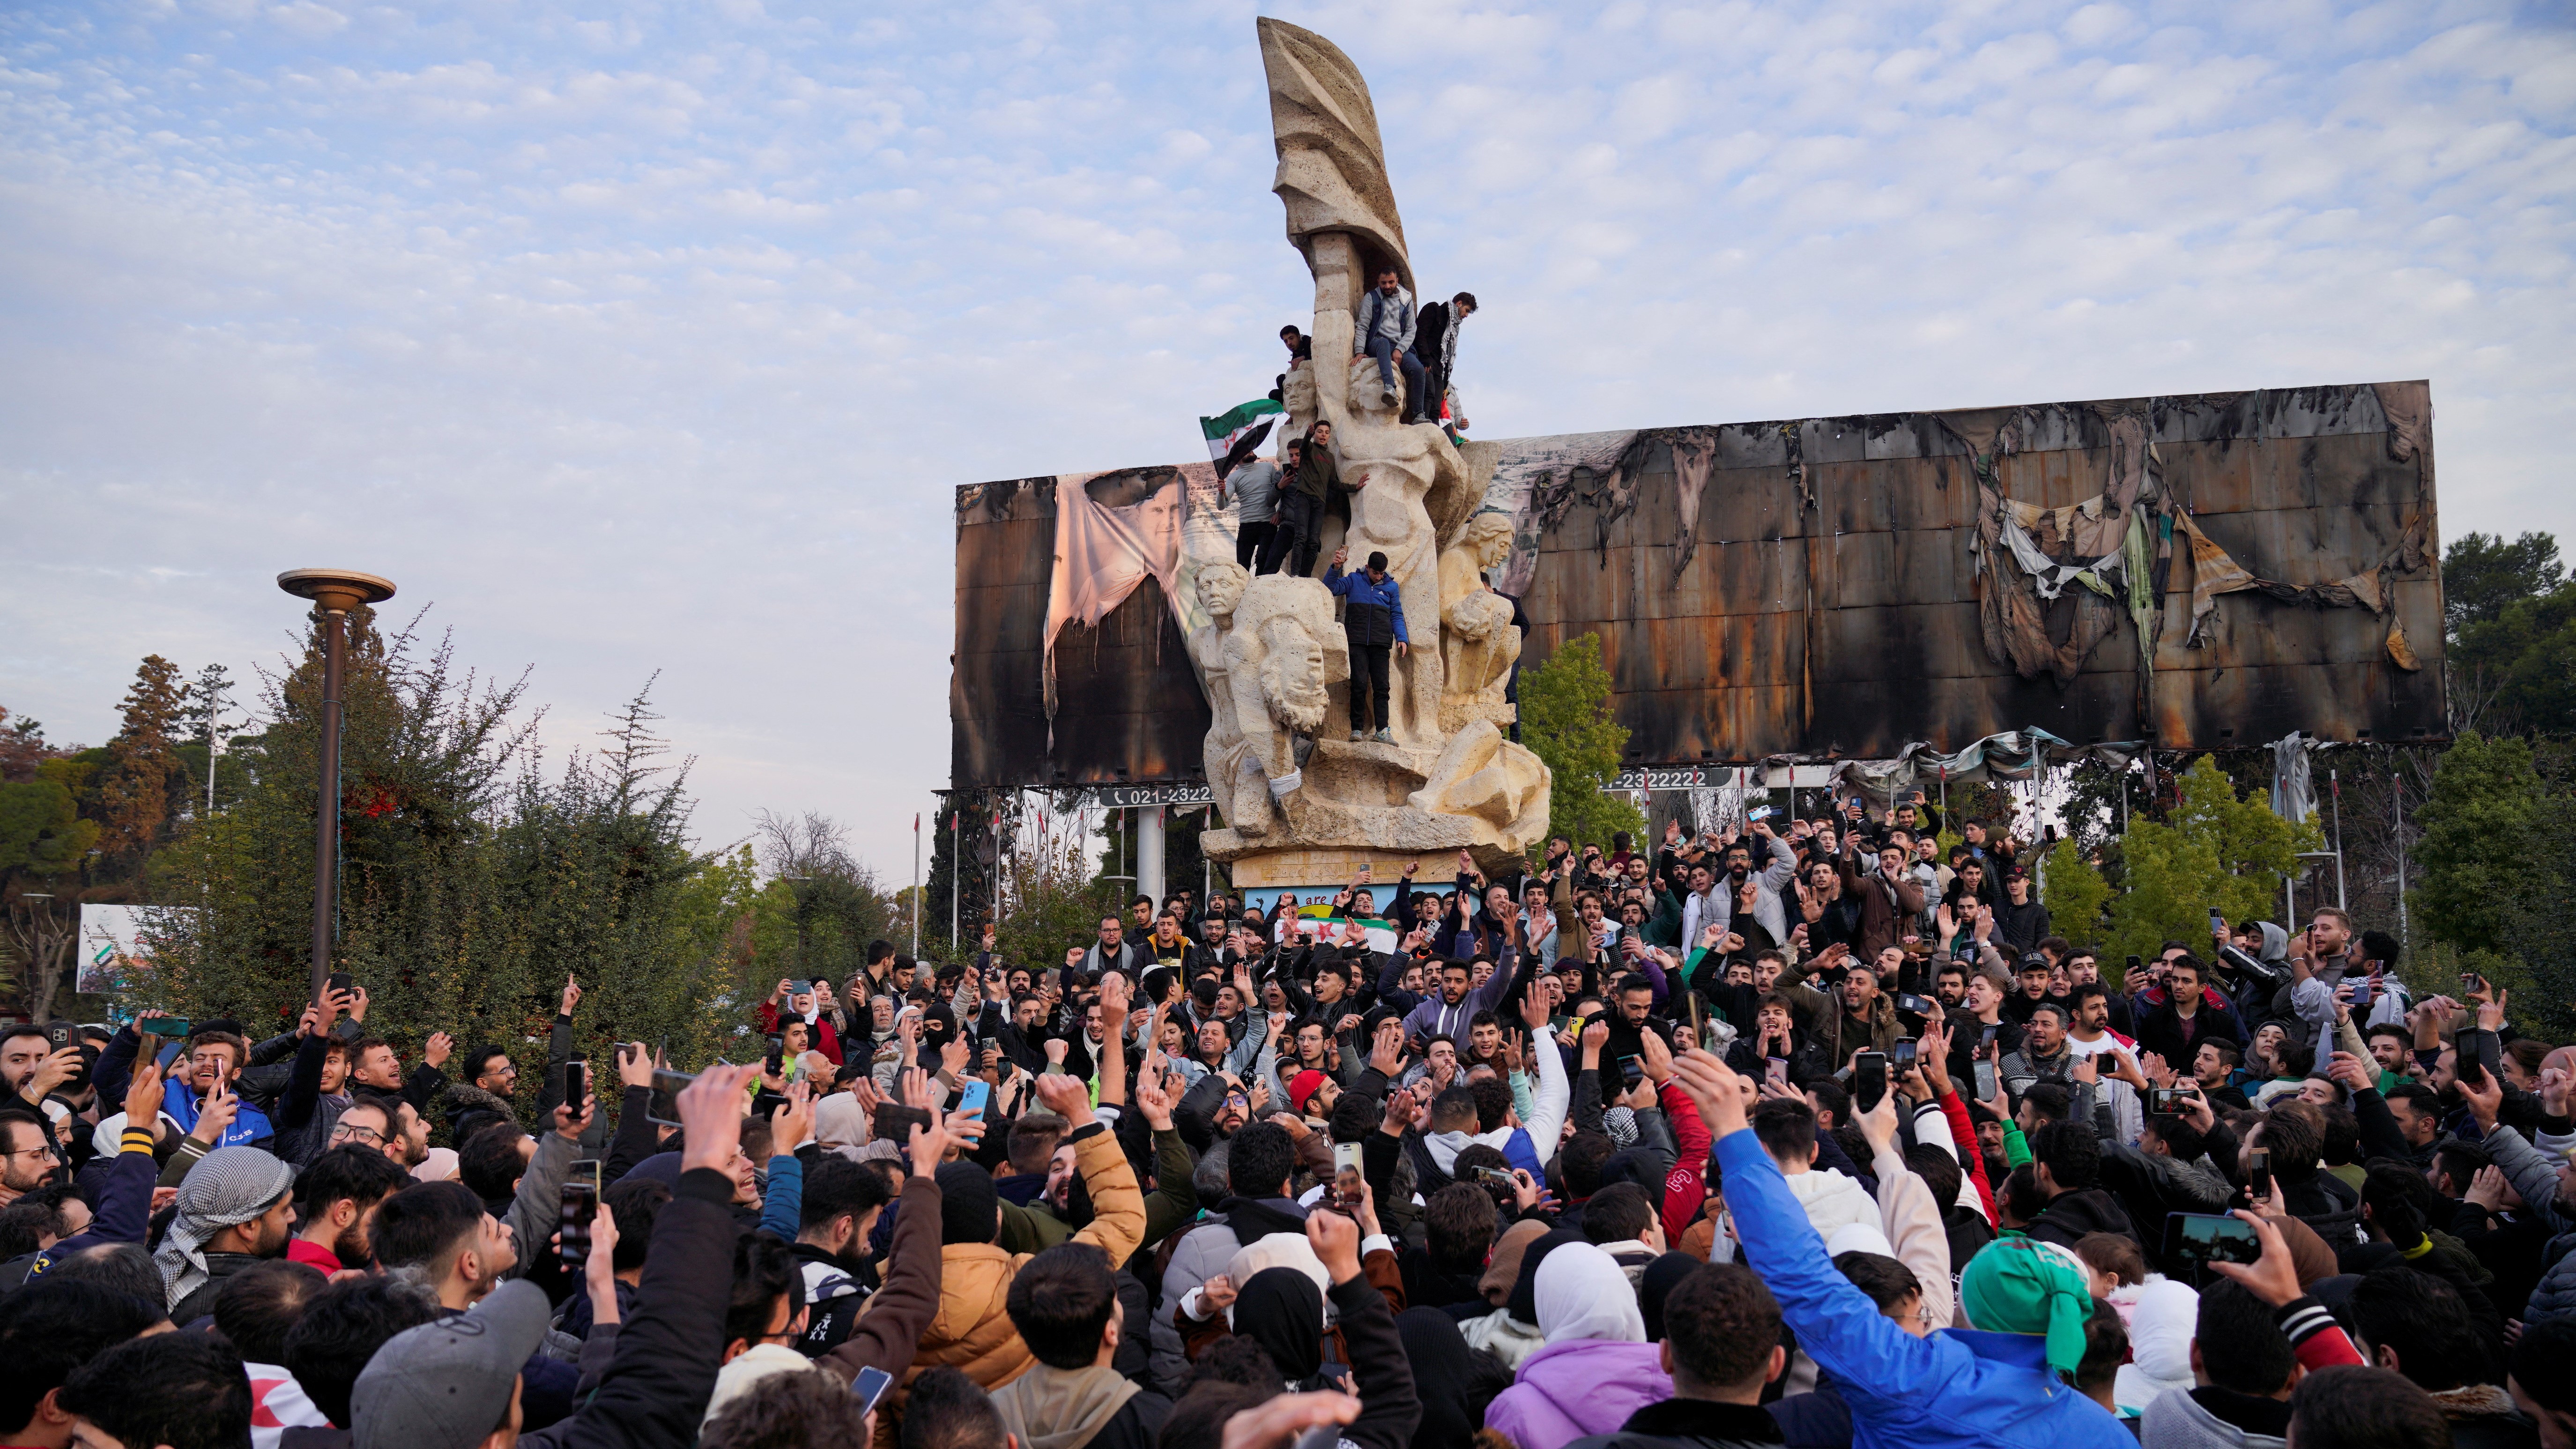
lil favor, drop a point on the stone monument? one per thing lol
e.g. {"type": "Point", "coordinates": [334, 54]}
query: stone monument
{"type": "Point", "coordinates": [1303, 806]}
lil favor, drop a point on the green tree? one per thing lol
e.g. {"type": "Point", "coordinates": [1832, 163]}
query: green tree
{"type": "Point", "coordinates": [134, 795]}
{"type": "Point", "coordinates": [2525, 656]}
{"type": "Point", "coordinates": [473, 881]}
{"type": "Point", "coordinates": [2481, 574]}
{"type": "Point", "coordinates": [2074, 893]}
{"type": "Point", "coordinates": [2475, 857]}
{"type": "Point", "coordinates": [1567, 720]}
{"type": "Point", "coordinates": [2215, 849]}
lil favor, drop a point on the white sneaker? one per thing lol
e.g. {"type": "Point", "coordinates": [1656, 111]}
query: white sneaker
{"type": "Point", "coordinates": [1355, 737]}
{"type": "Point", "coordinates": [1383, 738]}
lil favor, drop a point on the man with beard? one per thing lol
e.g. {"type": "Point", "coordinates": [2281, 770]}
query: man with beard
{"type": "Point", "coordinates": [2043, 1057]}
{"type": "Point", "coordinates": [335, 1204]}
{"type": "Point", "coordinates": [836, 1219]}
{"type": "Point", "coordinates": [213, 1059]}
{"type": "Point", "coordinates": [1891, 900]}
{"type": "Point", "coordinates": [27, 1160]}
{"type": "Point", "coordinates": [236, 1208]}
{"type": "Point", "coordinates": [1115, 952]}
{"type": "Point", "coordinates": [2175, 1028]}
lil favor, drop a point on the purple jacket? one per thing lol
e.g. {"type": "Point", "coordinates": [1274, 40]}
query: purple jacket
{"type": "Point", "coordinates": [1566, 1391]}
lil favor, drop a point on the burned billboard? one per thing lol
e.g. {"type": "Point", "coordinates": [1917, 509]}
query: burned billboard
{"type": "Point", "coordinates": [2203, 571]}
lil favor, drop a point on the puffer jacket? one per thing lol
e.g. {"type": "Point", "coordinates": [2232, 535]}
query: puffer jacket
{"type": "Point", "coordinates": [2535, 1175]}
{"type": "Point", "coordinates": [972, 1329]}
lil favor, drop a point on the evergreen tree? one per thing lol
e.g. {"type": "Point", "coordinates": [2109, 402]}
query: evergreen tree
{"type": "Point", "coordinates": [2475, 857]}
{"type": "Point", "coordinates": [134, 795]}
{"type": "Point", "coordinates": [1567, 721]}
{"type": "Point", "coordinates": [2074, 893]}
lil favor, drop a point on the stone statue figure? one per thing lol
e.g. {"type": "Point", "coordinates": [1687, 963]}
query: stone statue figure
{"type": "Point", "coordinates": [1449, 780]}
{"type": "Point", "coordinates": [1477, 641]}
{"type": "Point", "coordinates": [1221, 583]}
{"type": "Point", "coordinates": [1282, 653]}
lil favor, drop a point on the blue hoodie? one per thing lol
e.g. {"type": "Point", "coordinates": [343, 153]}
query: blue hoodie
{"type": "Point", "coordinates": [249, 1125]}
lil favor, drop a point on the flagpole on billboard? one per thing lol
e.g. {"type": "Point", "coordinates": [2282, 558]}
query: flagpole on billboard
{"type": "Point", "coordinates": [956, 872]}
{"type": "Point", "coordinates": [916, 885]}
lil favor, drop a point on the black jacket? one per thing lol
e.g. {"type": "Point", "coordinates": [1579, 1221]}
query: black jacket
{"type": "Point", "coordinates": [1389, 1408]}
{"type": "Point", "coordinates": [2071, 1215]}
{"type": "Point", "coordinates": [2166, 1034]}
{"type": "Point", "coordinates": [1689, 1424]}
{"type": "Point", "coordinates": [2150, 1187]}
{"type": "Point", "coordinates": [656, 1387]}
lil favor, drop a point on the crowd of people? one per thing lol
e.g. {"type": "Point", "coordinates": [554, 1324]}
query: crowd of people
{"type": "Point", "coordinates": [1808, 1133]}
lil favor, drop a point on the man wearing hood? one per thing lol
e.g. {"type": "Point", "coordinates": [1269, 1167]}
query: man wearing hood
{"type": "Point", "coordinates": [1065, 1305]}
{"type": "Point", "coordinates": [2067, 1161]}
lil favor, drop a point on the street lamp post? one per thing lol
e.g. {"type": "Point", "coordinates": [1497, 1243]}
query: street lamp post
{"type": "Point", "coordinates": [335, 592]}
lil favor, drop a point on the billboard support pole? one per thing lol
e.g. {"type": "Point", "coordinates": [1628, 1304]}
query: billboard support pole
{"type": "Point", "coordinates": [335, 592]}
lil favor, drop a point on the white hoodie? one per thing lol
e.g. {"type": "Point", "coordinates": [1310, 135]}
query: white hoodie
{"type": "Point", "coordinates": [1832, 1201]}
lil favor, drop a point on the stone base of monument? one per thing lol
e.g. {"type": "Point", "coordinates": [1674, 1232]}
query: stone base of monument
{"type": "Point", "coordinates": [1387, 804]}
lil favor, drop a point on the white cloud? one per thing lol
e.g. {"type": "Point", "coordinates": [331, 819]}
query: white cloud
{"type": "Point", "coordinates": [657, 341]}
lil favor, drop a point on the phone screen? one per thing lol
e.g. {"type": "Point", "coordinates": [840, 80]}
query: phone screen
{"type": "Point", "coordinates": [2210, 1238]}
{"type": "Point", "coordinates": [1347, 1177]}
{"type": "Point", "coordinates": [1985, 1075]}
{"type": "Point", "coordinates": [1901, 1060]}
{"type": "Point", "coordinates": [576, 1083]}
{"type": "Point", "coordinates": [1778, 1069]}
{"type": "Point", "coordinates": [1632, 1070]}
{"type": "Point", "coordinates": [2258, 1173]}
{"type": "Point", "coordinates": [868, 1386]}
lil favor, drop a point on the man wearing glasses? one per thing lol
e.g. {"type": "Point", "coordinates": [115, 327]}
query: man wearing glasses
{"type": "Point", "coordinates": [27, 1160]}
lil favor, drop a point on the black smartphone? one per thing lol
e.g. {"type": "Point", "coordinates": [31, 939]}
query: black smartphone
{"type": "Point", "coordinates": [1985, 1075]}
{"type": "Point", "coordinates": [1632, 1070]}
{"type": "Point", "coordinates": [2470, 981]}
{"type": "Point", "coordinates": [2217, 921]}
{"type": "Point", "coordinates": [2485, 1048]}
{"type": "Point", "coordinates": [1869, 1080]}
{"type": "Point", "coordinates": [2136, 964]}
{"type": "Point", "coordinates": [58, 1035]}
{"type": "Point", "coordinates": [1914, 1004]}
{"type": "Point", "coordinates": [339, 981]}
{"type": "Point", "coordinates": [2210, 1238]}
{"type": "Point", "coordinates": [2258, 1174]}
{"type": "Point", "coordinates": [575, 1209]}
{"type": "Point", "coordinates": [1901, 1059]}
{"type": "Point", "coordinates": [576, 1084]}
{"type": "Point", "coordinates": [663, 1105]}
{"type": "Point", "coordinates": [2166, 1101]}
{"type": "Point", "coordinates": [1987, 1037]}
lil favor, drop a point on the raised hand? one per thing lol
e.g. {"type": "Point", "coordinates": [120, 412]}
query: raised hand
{"type": "Point", "coordinates": [954, 1055]}
{"type": "Point", "coordinates": [792, 1124]}
{"type": "Point", "coordinates": [1067, 1098]}
{"type": "Point", "coordinates": [437, 1049]}
{"type": "Point", "coordinates": [1402, 1108]}
{"type": "Point", "coordinates": [1217, 1294]}
{"type": "Point", "coordinates": [1336, 1240]}
{"type": "Point", "coordinates": [2270, 1277]}
{"type": "Point", "coordinates": [634, 1065]}
{"type": "Point", "coordinates": [929, 1144]}
{"type": "Point", "coordinates": [571, 996]}
{"type": "Point", "coordinates": [143, 1096]}
{"type": "Point", "coordinates": [573, 1118]}
{"type": "Point", "coordinates": [1153, 1101]}
{"type": "Point", "coordinates": [215, 1114]}
{"type": "Point", "coordinates": [1714, 1088]}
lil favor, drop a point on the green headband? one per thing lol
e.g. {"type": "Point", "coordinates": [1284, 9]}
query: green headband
{"type": "Point", "coordinates": [2016, 1285]}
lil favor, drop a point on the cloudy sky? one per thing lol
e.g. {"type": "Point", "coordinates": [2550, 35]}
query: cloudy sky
{"type": "Point", "coordinates": [637, 336]}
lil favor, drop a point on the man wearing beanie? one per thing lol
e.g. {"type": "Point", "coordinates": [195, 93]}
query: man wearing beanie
{"type": "Point", "coordinates": [2004, 1382]}
{"type": "Point", "coordinates": [973, 1328]}
{"type": "Point", "coordinates": [1311, 1095]}
{"type": "Point", "coordinates": [1373, 621]}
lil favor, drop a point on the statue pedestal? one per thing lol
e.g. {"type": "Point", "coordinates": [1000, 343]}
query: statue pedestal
{"type": "Point", "coordinates": [1333, 867]}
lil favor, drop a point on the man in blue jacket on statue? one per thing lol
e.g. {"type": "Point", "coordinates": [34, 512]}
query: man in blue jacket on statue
{"type": "Point", "coordinates": [1373, 621]}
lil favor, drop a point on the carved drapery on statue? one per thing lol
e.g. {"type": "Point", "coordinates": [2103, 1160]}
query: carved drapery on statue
{"type": "Point", "coordinates": [1285, 777]}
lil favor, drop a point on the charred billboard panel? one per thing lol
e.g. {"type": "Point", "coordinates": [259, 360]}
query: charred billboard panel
{"type": "Point", "coordinates": [2195, 572]}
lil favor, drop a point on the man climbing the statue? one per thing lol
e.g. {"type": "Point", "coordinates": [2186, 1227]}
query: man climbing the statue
{"type": "Point", "coordinates": [1373, 621]}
